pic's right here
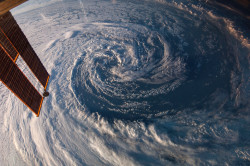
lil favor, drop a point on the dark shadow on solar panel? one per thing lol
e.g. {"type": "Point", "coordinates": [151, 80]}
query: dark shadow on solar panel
{"type": "Point", "coordinates": [20, 42]}
{"type": "Point", "coordinates": [16, 81]}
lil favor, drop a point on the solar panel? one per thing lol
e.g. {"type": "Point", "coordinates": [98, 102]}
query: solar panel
{"type": "Point", "coordinates": [18, 40]}
{"type": "Point", "coordinates": [13, 43]}
{"type": "Point", "coordinates": [18, 83]}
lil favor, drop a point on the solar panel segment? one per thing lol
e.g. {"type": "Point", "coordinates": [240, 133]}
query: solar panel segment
{"type": "Point", "coordinates": [13, 43]}
{"type": "Point", "coordinates": [18, 83]}
{"type": "Point", "coordinates": [8, 46]}
{"type": "Point", "coordinates": [14, 34]}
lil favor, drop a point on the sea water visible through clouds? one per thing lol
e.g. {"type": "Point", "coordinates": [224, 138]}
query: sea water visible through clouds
{"type": "Point", "coordinates": [135, 83]}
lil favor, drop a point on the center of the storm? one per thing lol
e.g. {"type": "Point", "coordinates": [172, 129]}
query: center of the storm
{"type": "Point", "coordinates": [127, 74]}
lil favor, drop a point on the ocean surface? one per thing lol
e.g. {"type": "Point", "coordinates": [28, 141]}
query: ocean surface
{"type": "Point", "coordinates": [133, 82]}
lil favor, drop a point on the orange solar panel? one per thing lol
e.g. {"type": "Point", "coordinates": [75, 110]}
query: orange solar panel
{"type": "Point", "coordinates": [12, 44]}
{"type": "Point", "coordinates": [18, 83]}
{"type": "Point", "coordinates": [13, 33]}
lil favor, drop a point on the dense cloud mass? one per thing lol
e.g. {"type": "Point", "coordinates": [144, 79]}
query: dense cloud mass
{"type": "Point", "coordinates": [145, 82]}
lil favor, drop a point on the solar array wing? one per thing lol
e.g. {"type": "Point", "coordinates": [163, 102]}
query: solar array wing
{"type": "Point", "coordinates": [18, 83]}
{"type": "Point", "coordinates": [16, 37]}
{"type": "Point", "coordinates": [13, 43]}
